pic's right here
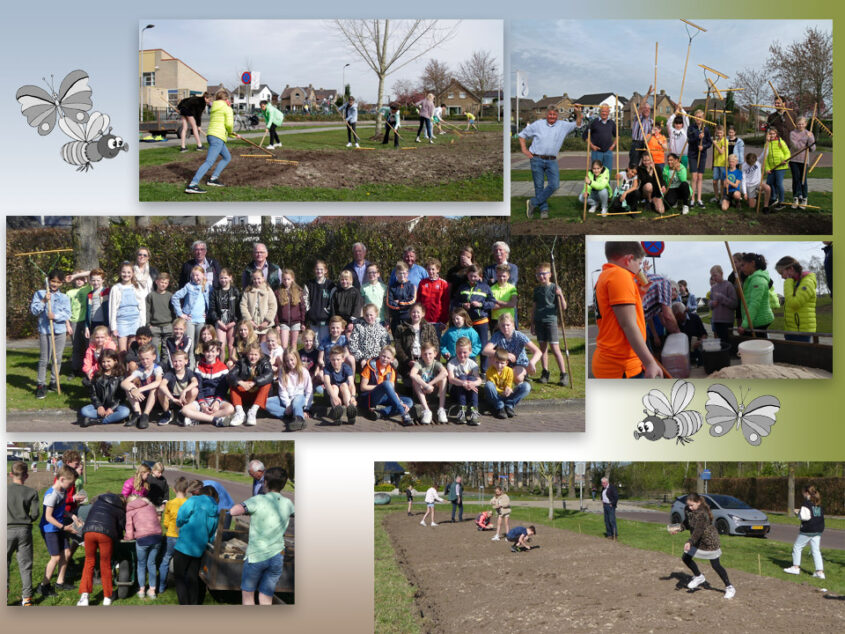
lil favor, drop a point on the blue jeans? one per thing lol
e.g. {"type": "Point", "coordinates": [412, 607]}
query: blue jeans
{"type": "Point", "coordinates": [263, 575]}
{"type": "Point", "coordinates": [483, 331]}
{"type": "Point", "coordinates": [606, 158]}
{"type": "Point", "coordinates": [164, 568]}
{"type": "Point", "coordinates": [275, 408]}
{"type": "Point", "coordinates": [120, 413]}
{"type": "Point", "coordinates": [520, 391]}
{"type": "Point", "coordinates": [385, 394]}
{"type": "Point", "coordinates": [775, 181]}
{"type": "Point", "coordinates": [609, 520]}
{"type": "Point", "coordinates": [543, 170]}
{"type": "Point", "coordinates": [216, 147]}
{"type": "Point", "coordinates": [799, 183]}
{"type": "Point", "coordinates": [463, 396]}
{"type": "Point", "coordinates": [801, 541]}
{"type": "Point", "coordinates": [147, 556]}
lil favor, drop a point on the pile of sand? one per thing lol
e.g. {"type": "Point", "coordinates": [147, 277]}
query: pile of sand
{"type": "Point", "coordinates": [776, 371]}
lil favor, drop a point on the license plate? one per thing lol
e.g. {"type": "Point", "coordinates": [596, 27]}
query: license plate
{"type": "Point", "coordinates": [756, 528]}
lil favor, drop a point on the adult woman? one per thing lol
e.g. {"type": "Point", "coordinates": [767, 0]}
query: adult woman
{"type": "Point", "coordinates": [409, 338]}
{"type": "Point", "coordinates": [457, 275]}
{"type": "Point", "coordinates": [426, 107]}
{"type": "Point", "coordinates": [799, 139]}
{"type": "Point", "coordinates": [191, 109]}
{"type": "Point", "coordinates": [723, 303]}
{"type": "Point", "coordinates": [799, 298]}
{"type": "Point", "coordinates": [755, 288]}
{"type": "Point", "coordinates": [777, 153]}
{"type": "Point", "coordinates": [812, 527]}
{"type": "Point", "coordinates": [144, 273]}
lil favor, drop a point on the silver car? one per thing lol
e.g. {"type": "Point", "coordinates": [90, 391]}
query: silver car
{"type": "Point", "coordinates": [730, 515]}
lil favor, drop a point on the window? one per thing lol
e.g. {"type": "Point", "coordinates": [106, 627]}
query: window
{"type": "Point", "coordinates": [451, 95]}
{"type": "Point", "coordinates": [462, 95]}
{"type": "Point", "coordinates": [149, 79]}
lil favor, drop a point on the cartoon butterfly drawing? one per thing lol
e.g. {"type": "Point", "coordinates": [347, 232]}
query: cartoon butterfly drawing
{"type": "Point", "coordinates": [670, 419]}
{"type": "Point", "coordinates": [724, 413]}
{"type": "Point", "coordinates": [91, 134]}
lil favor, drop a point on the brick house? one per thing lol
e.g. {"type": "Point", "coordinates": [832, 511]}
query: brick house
{"type": "Point", "coordinates": [459, 99]}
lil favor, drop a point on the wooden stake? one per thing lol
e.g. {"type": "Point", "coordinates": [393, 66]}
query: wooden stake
{"type": "Point", "coordinates": [738, 285]}
{"type": "Point", "coordinates": [663, 217]}
{"type": "Point", "coordinates": [774, 90]}
{"type": "Point", "coordinates": [586, 185]}
{"type": "Point", "coordinates": [562, 321]}
{"type": "Point", "coordinates": [759, 566]}
{"type": "Point", "coordinates": [807, 155]}
{"type": "Point", "coordinates": [763, 177]}
{"type": "Point", "coordinates": [623, 213]}
{"type": "Point", "coordinates": [282, 161]}
{"type": "Point", "coordinates": [816, 162]}
{"type": "Point", "coordinates": [263, 136]}
{"type": "Point", "coordinates": [714, 87]}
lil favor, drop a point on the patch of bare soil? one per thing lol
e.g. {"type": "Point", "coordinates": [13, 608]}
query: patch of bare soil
{"type": "Point", "coordinates": [464, 583]}
{"type": "Point", "coordinates": [425, 164]}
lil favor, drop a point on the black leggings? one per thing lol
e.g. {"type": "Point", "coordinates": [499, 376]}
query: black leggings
{"type": "Point", "coordinates": [274, 136]}
{"type": "Point", "coordinates": [720, 570]}
{"type": "Point", "coordinates": [680, 193]}
{"type": "Point", "coordinates": [351, 132]}
{"type": "Point", "coordinates": [186, 570]}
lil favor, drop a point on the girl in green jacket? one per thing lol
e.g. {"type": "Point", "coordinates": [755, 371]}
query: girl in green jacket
{"type": "Point", "coordinates": [597, 187]}
{"type": "Point", "coordinates": [220, 127]}
{"type": "Point", "coordinates": [273, 118]}
{"type": "Point", "coordinates": [799, 298]}
{"type": "Point", "coordinates": [756, 291]}
{"type": "Point", "coordinates": [777, 153]}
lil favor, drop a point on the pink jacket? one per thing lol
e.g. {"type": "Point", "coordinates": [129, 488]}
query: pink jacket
{"type": "Point", "coordinates": [90, 361]}
{"type": "Point", "coordinates": [141, 519]}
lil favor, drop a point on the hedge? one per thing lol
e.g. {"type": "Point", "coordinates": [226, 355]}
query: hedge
{"type": "Point", "coordinates": [296, 248]}
{"type": "Point", "coordinates": [770, 493]}
{"type": "Point", "coordinates": [387, 488]}
{"type": "Point", "coordinates": [237, 462]}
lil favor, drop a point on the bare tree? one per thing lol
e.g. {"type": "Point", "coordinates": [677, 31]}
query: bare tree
{"type": "Point", "coordinates": [436, 77]}
{"type": "Point", "coordinates": [548, 471]}
{"type": "Point", "coordinates": [803, 70]}
{"type": "Point", "coordinates": [479, 73]}
{"type": "Point", "coordinates": [756, 91]}
{"type": "Point", "coordinates": [386, 46]}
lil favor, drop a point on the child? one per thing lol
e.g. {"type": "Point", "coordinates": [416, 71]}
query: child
{"type": "Point", "coordinates": [368, 337]}
{"type": "Point", "coordinates": [258, 305]}
{"type": "Point", "coordinates": [103, 529]}
{"type": "Point", "coordinates": [657, 145]}
{"type": "Point", "coordinates": [21, 511]}
{"type": "Point", "coordinates": [519, 536]}
{"type": "Point", "coordinates": [471, 121]}
{"type": "Point", "coordinates": [482, 521]}
{"type": "Point", "coordinates": [105, 406]}
{"type": "Point", "coordinates": [137, 484]}
{"type": "Point", "coordinates": [127, 307]}
{"type": "Point", "coordinates": [427, 375]}
{"type": "Point", "coordinates": [505, 295]}
{"type": "Point", "coordinates": [501, 503]}
{"type": "Point", "coordinates": [206, 333]}
{"type": "Point", "coordinates": [776, 164]}
{"type": "Point", "coordinates": [52, 307]}
{"type": "Point", "coordinates": [336, 338]}
{"type": "Point", "coordinates": [596, 187]}
{"type": "Point", "coordinates": [53, 530]}
{"type": "Point", "coordinates": [677, 141]}
{"type": "Point", "coordinates": [244, 337]}
{"type": "Point", "coordinates": [250, 381]}
{"type": "Point", "coordinates": [273, 118]}
{"type": "Point", "coordinates": [732, 186]}
{"type": "Point", "coordinates": [269, 514]}
{"type": "Point", "coordinates": [179, 387]}
{"type": "Point", "coordinates": [191, 302]}
{"type": "Point", "coordinates": [475, 298]}
{"type": "Point", "coordinates": [627, 194]}
{"type": "Point", "coordinates": [736, 145]}
{"type": "Point", "coordinates": [211, 405]}
{"type": "Point", "coordinates": [179, 340]}
{"type": "Point", "coordinates": [160, 314]}
{"type": "Point", "coordinates": [171, 531]}
{"type": "Point", "coordinates": [296, 392]}
{"type": "Point", "coordinates": [677, 189]}
{"type": "Point", "coordinates": [801, 144]}
{"type": "Point", "coordinates": [78, 297]}
{"type": "Point", "coordinates": [409, 338]}
{"type": "Point", "coordinates": [703, 543]}
{"type": "Point", "coordinates": [309, 357]}
{"type": "Point", "coordinates": [437, 118]}
{"type": "Point", "coordinates": [339, 383]}
{"type": "Point", "coordinates": [460, 328]}
{"type": "Point", "coordinates": [220, 127]}
{"type": "Point", "coordinates": [317, 296]}
{"type": "Point", "coordinates": [544, 324]}
{"type": "Point", "coordinates": [720, 151]}
{"type": "Point", "coordinates": [143, 526]}
{"type": "Point", "coordinates": [401, 295]}
{"type": "Point", "coordinates": [97, 311]}
{"type": "Point", "coordinates": [197, 524]}
{"type": "Point", "coordinates": [699, 142]}
{"type": "Point", "coordinates": [224, 311]}
{"type": "Point", "coordinates": [141, 386]}
{"type": "Point", "coordinates": [464, 381]}
{"type": "Point", "coordinates": [431, 498]}
{"type": "Point", "coordinates": [374, 291]}
{"type": "Point", "coordinates": [751, 186]}
{"type": "Point", "coordinates": [143, 336]}
{"type": "Point", "coordinates": [392, 122]}
{"type": "Point", "coordinates": [349, 110]}
{"type": "Point", "coordinates": [271, 348]}
{"type": "Point", "coordinates": [159, 488]}
{"type": "Point", "coordinates": [650, 185]}
{"type": "Point", "coordinates": [425, 108]}
{"type": "Point", "coordinates": [291, 309]}
{"type": "Point", "coordinates": [515, 344]}
{"type": "Point", "coordinates": [433, 294]}
{"type": "Point", "coordinates": [100, 341]}
{"type": "Point", "coordinates": [811, 515]}
{"type": "Point", "coordinates": [346, 300]}
{"type": "Point", "coordinates": [499, 389]}
{"type": "Point", "coordinates": [378, 381]}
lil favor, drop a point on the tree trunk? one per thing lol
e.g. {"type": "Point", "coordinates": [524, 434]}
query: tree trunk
{"type": "Point", "coordinates": [699, 483]}
{"type": "Point", "coordinates": [85, 243]}
{"type": "Point", "coordinates": [790, 493]}
{"type": "Point", "coordinates": [571, 493]}
{"type": "Point", "coordinates": [379, 105]}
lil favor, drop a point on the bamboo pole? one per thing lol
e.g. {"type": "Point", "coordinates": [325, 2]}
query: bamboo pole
{"type": "Point", "coordinates": [807, 155]}
{"type": "Point", "coordinates": [655, 79]}
{"type": "Point", "coordinates": [648, 150]}
{"type": "Point", "coordinates": [663, 217]}
{"type": "Point", "coordinates": [270, 160]}
{"type": "Point", "coordinates": [560, 315]}
{"type": "Point", "coordinates": [263, 136]}
{"type": "Point", "coordinates": [395, 131]}
{"type": "Point", "coordinates": [739, 286]}
{"type": "Point", "coordinates": [774, 90]}
{"type": "Point", "coordinates": [714, 71]}
{"type": "Point", "coordinates": [623, 213]}
{"type": "Point", "coordinates": [692, 116]}
{"type": "Point", "coordinates": [43, 252]}
{"type": "Point", "coordinates": [616, 126]}
{"type": "Point", "coordinates": [763, 105]}
{"type": "Point", "coordinates": [816, 162]}
{"type": "Point", "coordinates": [714, 87]}
{"type": "Point", "coordinates": [586, 179]}
{"type": "Point", "coordinates": [686, 61]}
{"type": "Point", "coordinates": [763, 177]}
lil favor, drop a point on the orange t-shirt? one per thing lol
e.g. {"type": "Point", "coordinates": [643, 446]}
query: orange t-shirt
{"type": "Point", "coordinates": [614, 358]}
{"type": "Point", "coordinates": [655, 144]}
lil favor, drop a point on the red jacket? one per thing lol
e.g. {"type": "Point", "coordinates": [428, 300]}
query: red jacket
{"type": "Point", "coordinates": [90, 362]}
{"type": "Point", "coordinates": [434, 295]}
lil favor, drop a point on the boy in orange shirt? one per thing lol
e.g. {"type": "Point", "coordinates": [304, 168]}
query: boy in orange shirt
{"type": "Point", "coordinates": [621, 350]}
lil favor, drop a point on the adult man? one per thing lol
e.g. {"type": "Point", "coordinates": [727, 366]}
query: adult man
{"type": "Point", "coordinates": [501, 252]}
{"type": "Point", "coordinates": [416, 273]}
{"type": "Point", "coordinates": [657, 302]}
{"type": "Point", "coordinates": [547, 137]}
{"type": "Point", "coordinates": [602, 134]}
{"type": "Point", "coordinates": [780, 120]}
{"type": "Point", "coordinates": [456, 497]}
{"type": "Point", "coordinates": [640, 129]}
{"type": "Point", "coordinates": [272, 273]}
{"type": "Point", "coordinates": [358, 265]}
{"type": "Point", "coordinates": [609, 499]}
{"type": "Point", "coordinates": [255, 469]}
{"type": "Point", "coordinates": [209, 265]}
{"type": "Point", "coordinates": [691, 325]}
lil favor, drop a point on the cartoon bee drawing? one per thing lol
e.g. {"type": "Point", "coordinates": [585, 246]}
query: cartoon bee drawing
{"type": "Point", "coordinates": [92, 137]}
{"type": "Point", "coordinates": [669, 419]}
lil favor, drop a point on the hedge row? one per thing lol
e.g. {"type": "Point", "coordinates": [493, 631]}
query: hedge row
{"type": "Point", "coordinates": [387, 488]}
{"type": "Point", "coordinates": [236, 462]}
{"type": "Point", "coordinates": [770, 494]}
{"type": "Point", "coordinates": [296, 248]}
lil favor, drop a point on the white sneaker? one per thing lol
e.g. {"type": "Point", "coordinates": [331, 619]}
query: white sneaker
{"type": "Point", "coordinates": [83, 600]}
{"type": "Point", "coordinates": [433, 524]}
{"type": "Point", "coordinates": [349, 144]}
{"type": "Point", "coordinates": [696, 581]}
{"type": "Point", "coordinates": [422, 523]}
{"type": "Point", "coordinates": [250, 417]}
{"type": "Point", "coordinates": [730, 592]}
{"type": "Point", "coordinates": [417, 139]}
{"type": "Point", "coordinates": [441, 416]}
{"type": "Point", "coordinates": [591, 209]}
{"type": "Point", "coordinates": [271, 146]}
{"type": "Point", "coordinates": [795, 203]}
{"type": "Point", "coordinates": [188, 421]}
{"type": "Point", "coordinates": [426, 417]}
{"type": "Point", "coordinates": [819, 574]}
{"type": "Point", "coordinates": [356, 145]}
{"type": "Point", "coordinates": [604, 212]}
{"type": "Point", "coordinates": [431, 140]}
{"type": "Point", "coordinates": [685, 210]}
{"type": "Point", "coordinates": [792, 570]}
{"type": "Point", "coordinates": [495, 538]}
{"type": "Point", "coordinates": [106, 601]}
{"type": "Point", "coordinates": [238, 418]}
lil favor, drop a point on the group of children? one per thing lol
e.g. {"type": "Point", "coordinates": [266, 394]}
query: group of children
{"type": "Point", "coordinates": [220, 355]}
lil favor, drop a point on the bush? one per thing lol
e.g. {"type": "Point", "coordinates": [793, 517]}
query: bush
{"type": "Point", "coordinates": [770, 494]}
{"type": "Point", "coordinates": [386, 487]}
{"type": "Point", "coordinates": [408, 481]}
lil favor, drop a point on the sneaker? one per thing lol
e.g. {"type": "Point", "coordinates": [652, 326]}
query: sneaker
{"type": "Point", "coordinates": [349, 144]}
{"type": "Point", "coordinates": [714, 200]}
{"type": "Point", "coordinates": [297, 424]}
{"type": "Point", "coordinates": [141, 594]}
{"type": "Point", "coordinates": [407, 421]}
{"type": "Point", "coordinates": [795, 203]}
{"type": "Point", "coordinates": [184, 149]}
{"type": "Point", "coordinates": [696, 581]}
{"type": "Point", "coordinates": [416, 412]}
{"type": "Point", "coordinates": [200, 148]}
{"type": "Point", "coordinates": [592, 209]}
{"type": "Point", "coordinates": [766, 209]}
{"type": "Point", "coordinates": [685, 210]}
{"type": "Point", "coordinates": [251, 416]}
{"type": "Point", "coordinates": [426, 417]}
{"type": "Point", "coordinates": [819, 574]}
{"type": "Point", "coordinates": [562, 380]}
{"type": "Point", "coordinates": [500, 413]}
{"type": "Point", "coordinates": [194, 189]}
{"type": "Point", "coordinates": [514, 549]}
{"type": "Point", "coordinates": [132, 420]}
{"type": "Point", "coordinates": [422, 523]}
{"type": "Point", "coordinates": [544, 377]}
{"type": "Point", "coordinates": [496, 538]}
{"type": "Point", "coordinates": [143, 421]}
{"type": "Point", "coordinates": [431, 140]}
{"type": "Point", "coordinates": [222, 421]}
{"type": "Point", "coordinates": [792, 570]}
{"type": "Point", "coordinates": [85, 422]}
{"type": "Point", "coordinates": [351, 414]}
{"type": "Point", "coordinates": [509, 411]}
{"type": "Point", "coordinates": [52, 388]}
{"type": "Point", "coordinates": [730, 592]}
{"type": "Point", "coordinates": [336, 413]}
{"type": "Point", "coordinates": [462, 416]}
{"type": "Point", "coordinates": [151, 593]}
{"type": "Point", "coordinates": [65, 586]}
{"type": "Point", "coordinates": [417, 140]}
{"type": "Point", "coordinates": [83, 600]}
{"type": "Point", "coordinates": [26, 602]}
{"type": "Point", "coordinates": [214, 182]}
{"type": "Point", "coordinates": [544, 214]}
{"type": "Point", "coordinates": [46, 590]}
{"type": "Point", "coordinates": [356, 145]}
{"type": "Point", "coordinates": [238, 418]}
{"type": "Point", "coordinates": [474, 418]}
{"type": "Point", "coordinates": [165, 419]}
{"type": "Point", "coordinates": [41, 391]}
{"type": "Point", "coordinates": [433, 524]}
{"type": "Point", "coordinates": [442, 418]}
{"type": "Point", "coordinates": [778, 205]}
{"type": "Point", "coordinates": [701, 204]}
{"type": "Point", "coordinates": [529, 209]}
{"type": "Point", "coordinates": [106, 600]}
{"type": "Point", "coordinates": [186, 422]}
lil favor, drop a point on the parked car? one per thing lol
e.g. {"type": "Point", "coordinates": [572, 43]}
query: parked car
{"type": "Point", "coordinates": [730, 515]}
{"type": "Point", "coordinates": [118, 459]}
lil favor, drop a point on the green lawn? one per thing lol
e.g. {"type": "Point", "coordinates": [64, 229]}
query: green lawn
{"type": "Point", "coordinates": [575, 175]}
{"type": "Point", "coordinates": [393, 607]}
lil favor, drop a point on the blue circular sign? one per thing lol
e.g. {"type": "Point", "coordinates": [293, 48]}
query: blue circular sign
{"type": "Point", "coordinates": [246, 77]}
{"type": "Point", "coordinates": [653, 249]}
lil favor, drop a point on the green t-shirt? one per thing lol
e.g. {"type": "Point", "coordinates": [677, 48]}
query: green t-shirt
{"type": "Point", "coordinates": [502, 294]}
{"type": "Point", "coordinates": [545, 304]}
{"type": "Point", "coordinates": [79, 302]}
{"type": "Point", "coordinates": [268, 522]}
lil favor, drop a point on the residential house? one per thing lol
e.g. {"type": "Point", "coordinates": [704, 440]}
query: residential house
{"type": "Point", "coordinates": [248, 99]}
{"type": "Point", "coordinates": [561, 103]}
{"type": "Point", "coordinates": [165, 80]}
{"type": "Point", "coordinates": [665, 107]}
{"type": "Point", "coordinates": [296, 98]}
{"type": "Point", "coordinates": [592, 103]}
{"type": "Point", "coordinates": [459, 99]}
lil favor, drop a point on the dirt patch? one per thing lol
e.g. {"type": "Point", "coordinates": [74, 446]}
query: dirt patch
{"type": "Point", "coordinates": [426, 164]}
{"type": "Point", "coordinates": [778, 223]}
{"type": "Point", "coordinates": [776, 371]}
{"type": "Point", "coordinates": [464, 582]}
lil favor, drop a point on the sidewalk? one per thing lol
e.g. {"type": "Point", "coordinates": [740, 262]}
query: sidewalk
{"type": "Point", "coordinates": [525, 189]}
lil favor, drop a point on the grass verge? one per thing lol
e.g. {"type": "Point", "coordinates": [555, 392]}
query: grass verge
{"type": "Point", "coordinates": [393, 607]}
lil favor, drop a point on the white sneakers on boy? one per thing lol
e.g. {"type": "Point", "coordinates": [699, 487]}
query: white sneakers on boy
{"type": "Point", "coordinates": [495, 538]}
{"type": "Point", "coordinates": [819, 574]}
{"type": "Point", "coordinates": [83, 600]}
{"type": "Point", "coordinates": [433, 524]}
{"type": "Point", "coordinates": [696, 581]}
{"type": "Point", "coordinates": [685, 210]}
{"type": "Point", "coordinates": [426, 417]}
{"type": "Point", "coordinates": [238, 418]}
{"type": "Point", "coordinates": [349, 144]}
{"type": "Point", "coordinates": [422, 523]}
{"type": "Point", "coordinates": [792, 570]}
{"type": "Point", "coordinates": [441, 416]}
{"type": "Point", "coordinates": [730, 592]}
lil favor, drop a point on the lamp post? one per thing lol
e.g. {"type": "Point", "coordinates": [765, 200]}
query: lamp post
{"type": "Point", "coordinates": [343, 81]}
{"type": "Point", "coordinates": [141, 64]}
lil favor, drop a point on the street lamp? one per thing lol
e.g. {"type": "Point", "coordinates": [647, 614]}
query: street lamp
{"type": "Point", "coordinates": [141, 63]}
{"type": "Point", "coordinates": [343, 82]}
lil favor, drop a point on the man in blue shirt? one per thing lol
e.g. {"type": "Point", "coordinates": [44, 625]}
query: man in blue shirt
{"type": "Point", "coordinates": [256, 472]}
{"type": "Point", "coordinates": [416, 273]}
{"type": "Point", "coordinates": [641, 129]}
{"type": "Point", "coordinates": [547, 138]}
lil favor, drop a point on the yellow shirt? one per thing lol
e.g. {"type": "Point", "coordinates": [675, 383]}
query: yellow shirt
{"type": "Point", "coordinates": [501, 381]}
{"type": "Point", "coordinates": [171, 509]}
{"type": "Point", "coordinates": [720, 158]}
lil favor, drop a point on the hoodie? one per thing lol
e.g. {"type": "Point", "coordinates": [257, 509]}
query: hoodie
{"type": "Point", "coordinates": [197, 523]}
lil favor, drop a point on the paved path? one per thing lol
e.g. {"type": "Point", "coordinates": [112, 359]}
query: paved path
{"type": "Point", "coordinates": [573, 188]}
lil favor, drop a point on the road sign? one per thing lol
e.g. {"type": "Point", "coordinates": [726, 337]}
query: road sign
{"type": "Point", "coordinates": [580, 468]}
{"type": "Point", "coordinates": [653, 249]}
{"type": "Point", "coordinates": [246, 77]}
{"type": "Point", "coordinates": [706, 474]}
